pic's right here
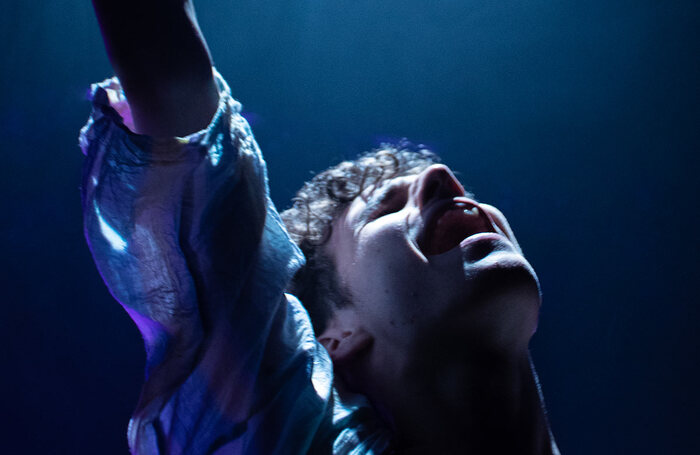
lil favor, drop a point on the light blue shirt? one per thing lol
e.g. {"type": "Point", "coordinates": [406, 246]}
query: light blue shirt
{"type": "Point", "coordinates": [186, 238]}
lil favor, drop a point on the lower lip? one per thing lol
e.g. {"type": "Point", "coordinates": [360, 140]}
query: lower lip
{"type": "Point", "coordinates": [480, 237]}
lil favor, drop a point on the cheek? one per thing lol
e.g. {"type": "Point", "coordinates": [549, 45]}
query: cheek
{"type": "Point", "coordinates": [379, 265]}
{"type": "Point", "coordinates": [388, 278]}
{"type": "Point", "coordinates": [387, 249]}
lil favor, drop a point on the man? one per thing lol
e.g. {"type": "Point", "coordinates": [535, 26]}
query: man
{"type": "Point", "coordinates": [420, 296]}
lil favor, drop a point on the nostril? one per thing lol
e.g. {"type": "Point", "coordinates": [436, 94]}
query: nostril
{"type": "Point", "coordinates": [438, 182]}
{"type": "Point", "coordinates": [430, 189]}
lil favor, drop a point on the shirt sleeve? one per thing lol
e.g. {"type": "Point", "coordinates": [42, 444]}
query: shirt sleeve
{"type": "Point", "coordinates": [186, 238]}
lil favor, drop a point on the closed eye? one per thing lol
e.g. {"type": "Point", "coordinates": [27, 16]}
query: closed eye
{"type": "Point", "coordinates": [389, 201]}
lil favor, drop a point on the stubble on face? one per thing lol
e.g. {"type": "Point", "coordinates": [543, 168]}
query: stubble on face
{"type": "Point", "coordinates": [481, 285]}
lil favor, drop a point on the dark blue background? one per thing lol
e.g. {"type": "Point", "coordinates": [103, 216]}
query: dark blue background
{"type": "Point", "coordinates": [580, 120]}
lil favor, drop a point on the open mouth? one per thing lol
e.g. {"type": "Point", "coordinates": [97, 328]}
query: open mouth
{"type": "Point", "coordinates": [450, 221]}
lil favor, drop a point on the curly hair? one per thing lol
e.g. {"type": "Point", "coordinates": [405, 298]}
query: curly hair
{"type": "Point", "coordinates": [320, 201]}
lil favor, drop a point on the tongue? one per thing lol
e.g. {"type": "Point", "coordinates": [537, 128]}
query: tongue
{"type": "Point", "coordinates": [451, 228]}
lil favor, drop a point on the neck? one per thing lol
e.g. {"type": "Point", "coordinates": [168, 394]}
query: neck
{"type": "Point", "coordinates": [473, 403]}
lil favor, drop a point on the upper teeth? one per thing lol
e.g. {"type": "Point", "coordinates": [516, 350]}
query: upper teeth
{"type": "Point", "coordinates": [471, 211]}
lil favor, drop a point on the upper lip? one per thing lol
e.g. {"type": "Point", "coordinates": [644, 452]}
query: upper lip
{"type": "Point", "coordinates": [436, 209]}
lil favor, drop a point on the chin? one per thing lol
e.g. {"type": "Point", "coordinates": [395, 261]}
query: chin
{"type": "Point", "coordinates": [499, 302]}
{"type": "Point", "coordinates": [502, 272]}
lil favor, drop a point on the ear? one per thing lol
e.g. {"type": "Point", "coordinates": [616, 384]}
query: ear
{"type": "Point", "coordinates": [345, 338]}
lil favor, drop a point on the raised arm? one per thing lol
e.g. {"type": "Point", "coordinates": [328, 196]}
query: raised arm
{"type": "Point", "coordinates": [162, 61]}
{"type": "Point", "coordinates": [186, 238]}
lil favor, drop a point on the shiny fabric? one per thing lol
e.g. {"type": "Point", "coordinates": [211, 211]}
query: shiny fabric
{"type": "Point", "coordinates": [185, 236]}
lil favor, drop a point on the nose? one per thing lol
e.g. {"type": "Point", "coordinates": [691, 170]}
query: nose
{"type": "Point", "coordinates": [436, 182]}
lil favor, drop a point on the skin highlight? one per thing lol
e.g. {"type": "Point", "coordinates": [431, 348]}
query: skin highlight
{"type": "Point", "coordinates": [438, 342]}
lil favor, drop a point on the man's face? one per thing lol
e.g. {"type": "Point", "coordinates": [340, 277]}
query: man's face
{"type": "Point", "coordinates": [420, 259]}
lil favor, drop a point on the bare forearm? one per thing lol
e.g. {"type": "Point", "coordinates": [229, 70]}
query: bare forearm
{"type": "Point", "coordinates": [162, 61]}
